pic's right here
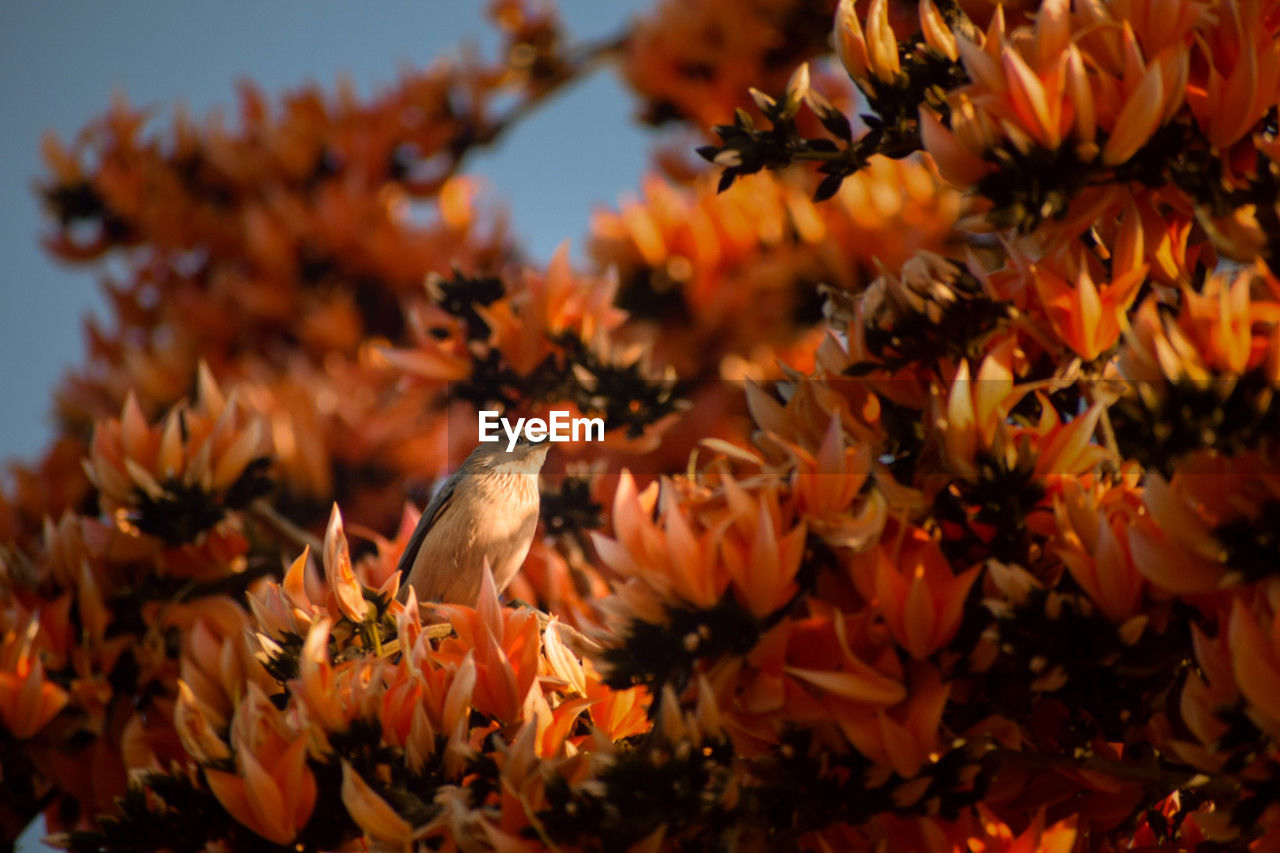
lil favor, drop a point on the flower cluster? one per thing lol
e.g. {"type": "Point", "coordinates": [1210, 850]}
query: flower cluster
{"type": "Point", "coordinates": [695, 61]}
{"type": "Point", "coordinates": [937, 507]}
{"type": "Point", "coordinates": [355, 719]}
{"type": "Point", "coordinates": [736, 275]}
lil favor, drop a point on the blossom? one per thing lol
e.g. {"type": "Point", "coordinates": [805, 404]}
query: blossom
{"type": "Point", "coordinates": [1222, 330]}
{"type": "Point", "coordinates": [763, 567]}
{"type": "Point", "coordinates": [869, 54]}
{"type": "Point", "coordinates": [839, 663]}
{"type": "Point", "coordinates": [28, 701]}
{"type": "Point", "coordinates": [619, 714]}
{"type": "Point", "coordinates": [322, 688]}
{"type": "Point", "coordinates": [216, 662]}
{"type": "Point", "coordinates": [978, 555]}
{"type": "Point", "coordinates": [996, 835]}
{"type": "Point", "coordinates": [1040, 90]}
{"type": "Point", "coordinates": [1092, 530]}
{"type": "Point", "coordinates": [1086, 316]}
{"type": "Point", "coordinates": [1212, 688]}
{"type": "Point", "coordinates": [974, 419]}
{"type": "Point", "coordinates": [716, 272]}
{"type": "Point", "coordinates": [371, 812]}
{"type": "Point", "coordinates": [958, 163]}
{"type": "Point", "coordinates": [274, 791]}
{"type": "Point", "coordinates": [697, 60]}
{"type": "Point", "coordinates": [903, 737]}
{"type": "Point", "coordinates": [915, 590]}
{"type": "Point", "coordinates": [1237, 80]}
{"type": "Point", "coordinates": [339, 576]}
{"type": "Point", "coordinates": [196, 726]}
{"type": "Point", "coordinates": [1174, 547]}
{"type": "Point", "coordinates": [827, 484]}
{"type": "Point", "coordinates": [670, 556]}
{"type": "Point", "coordinates": [504, 648]}
{"type": "Point", "coordinates": [1255, 656]}
{"type": "Point", "coordinates": [177, 479]}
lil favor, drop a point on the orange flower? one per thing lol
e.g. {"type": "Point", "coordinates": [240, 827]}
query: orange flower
{"type": "Point", "coordinates": [196, 726]}
{"type": "Point", "coordinates": [1065, 78]}
{"type": "Point", "coordinates": [27, 701]}
{"type": "Point", "coordinates": [331, 695]}
{"type": "Point", "coordinates": [995, 836]}
{"type": "Point", "coordinates": [1065, 449]}
{"type": "Point", "coordinates": [1232, 326]}
{"type": "Point", "coordinates": [298, 408]}
{"type": "Point", "coordinates": [827, 486]}
{"type": "Point", "coordinates": [619, 714]}
{"type": "Point", "coordinates": [916, 592]}
{"type": "Point", "coordinates": [698, 59]}
{"type": "Point", "coordinates": [1086, 316]}
{"type": "Point", "coordinates": [423, 698]}
{"type": "Point", "coordinates": [547, 305]}
{"type": "Point", "coordinates": [804, 419]}
{"type": "Point", "coordinates": [724, 264]}
{"type": "Point", "coordinates": [504, 646]}
{"type": "Point", "coordinates": [274, 792]}
{"type": "Point", "coordinates": [432, 359]}
{"type": "Point", "coordinates": [819, 566]}
{"type": "Point", "coordinates": [1239, 76]}
{"type": "Point", "coordinates": [849, 669]}
{"type": "Point", "coordinates": [216, 660]}
{"type": "Point", "coordinates": [207, 446]}
{"type": "Point", "coordinates": [563, 664]}
{"type": "Point", "coordinates": [936, 33]}
{"type": "Point", "coordinates": [341, 579]}
{"type": "Point", "coordinates": [274, 610]}
{"type": "Point", "coordinates": [1093, 541]}
{"type": "Point", "coordinates": [317, 683]}
{"type": "Point", "coordinates": [1174, 547]}
{"type": "Point", "coordinates": [1253, 635]}
{"type": "Point", "coordinates": [274, 798]}
{"type": "Point", "coordinates": [761, 564]}
{"type": "Point", "coordinates": [551, 727]}
{"type": "Point", "coordinates": [523, 791]}
{"type": "Point", "coordinates": [903, 737]}
{"type": "Point", "coordinates": [374, 815]}
{"type": "Point", "coordinates": [1208, 690]}
{"type": "Point", "coordinates": [957, 162]}
{"type": "Point", "coordinates": [974, 420]}
{"type": "Point", "coordinates": [1139, 117]}
{"type": "Point", "coordinates": [671, 556]}
{"type": "Point", "coordinates": [873, 54]}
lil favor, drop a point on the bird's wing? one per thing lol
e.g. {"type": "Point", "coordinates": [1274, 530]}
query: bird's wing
{"type": "Point", "coordinates": [430, 515]}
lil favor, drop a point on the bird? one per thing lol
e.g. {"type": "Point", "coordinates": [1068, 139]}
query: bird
{"type": "Point", "coordinates": [485, 514]}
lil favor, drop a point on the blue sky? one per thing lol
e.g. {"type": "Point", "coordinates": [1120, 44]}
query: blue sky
{"type": "Point", "coordinates": [60, 63]}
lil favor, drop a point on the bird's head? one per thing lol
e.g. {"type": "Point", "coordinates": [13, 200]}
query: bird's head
{"type": "Point", "coordinates": [525, 458]}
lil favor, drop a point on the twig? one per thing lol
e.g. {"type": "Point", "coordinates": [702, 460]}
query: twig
{"type": "Point", "coordinates": [1155, 776]}
{"type": "Point", "coordinates": [1108, 432]}
{"type": "Point", "coordinates": [578, 642]}
{"type": "Point", "coordinates": [583, 60]}
{"type": "Point", "coordinates": [266, 513]}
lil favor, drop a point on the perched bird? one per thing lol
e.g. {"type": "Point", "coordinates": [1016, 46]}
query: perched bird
{"type": "Point", "coordinates": [487, 510]}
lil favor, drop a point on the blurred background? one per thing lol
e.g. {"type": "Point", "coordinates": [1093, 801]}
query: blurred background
{"type": "Point", "coordinates": [60, 65]}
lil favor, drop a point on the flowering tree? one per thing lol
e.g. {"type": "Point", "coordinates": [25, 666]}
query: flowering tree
{"type": "Point", "coordinates": [943, 396]}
